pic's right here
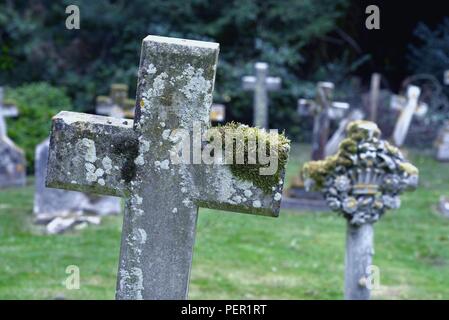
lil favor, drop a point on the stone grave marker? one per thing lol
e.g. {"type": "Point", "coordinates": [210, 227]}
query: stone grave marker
{"type": "Point", "coordinates": [446, 77]}
{"type": "Point", "coordinates": [117, 103]}
{"type": "Point", "coordinates": [338, 136]}
{"type": "Point", "coordinates": [442, 143]}
{"type": "Point", "coordinates": [12, 158]}
{"type": "Point", "coordinates": [361, 183]}
{"type": "Point", "coordinates": [61, 210]}
{"type": "Point", "coordinates": [322, 109]}
{"type": "Point", "coordinates": [138, 160]}
{"type": "Point", "coordinates": [261, 83]}
{"type": "Point", "coordinates": [408, 106]}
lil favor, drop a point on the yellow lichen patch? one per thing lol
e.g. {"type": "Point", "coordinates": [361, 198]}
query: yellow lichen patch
{"type": "Point", "coordinates": [409, 168]}
{"type": "Point", "coordinates": [361, 129]}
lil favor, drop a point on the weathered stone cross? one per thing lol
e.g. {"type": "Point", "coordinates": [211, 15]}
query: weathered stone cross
{"type": "Point", "coordinates": [117, 103]}
{"type": "Point", "coordinates": [261, 83]}
{"type": "Point", "coordinates": [131, 159]}
{"type": "Point", "coordinates": [408, 106]}
{"type": "Point", "coordinates": [323, 109]}
{"type": "Point", "coordinates": [5, 111]}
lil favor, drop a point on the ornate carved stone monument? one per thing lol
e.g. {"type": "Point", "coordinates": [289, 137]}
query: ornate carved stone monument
{"type": "Point", "coordinates": [361, 182]}
{"type": "Point", "coordinates": [138, 160]}
{"type": "Point", "coordinates": [261, 83]}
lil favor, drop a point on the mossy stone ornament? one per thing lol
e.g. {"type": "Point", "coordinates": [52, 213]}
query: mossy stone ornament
{"type": "Point", "coordinates": [365, 177]}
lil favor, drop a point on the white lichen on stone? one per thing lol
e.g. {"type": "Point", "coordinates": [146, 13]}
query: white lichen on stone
{"type": "Point", "coordinates": [277, 196]}
{"type": "Point", "coordinates": [247, 193]}
{"type": "Point", "coordinates": [257, 204]}
{"type": "Point", "coordinates": [175, 210]}
{"type": "Point", "coordinates": [90, 152]}
{"type": "Point", "coordinates": [139, 160]}
{"type": "Point", "coordinates": [165, 164]}
{"type": "Point", "coordinates": [101, 182]}
{"type": "Point", "coordinates": [107, 164]}
{"type": "Point", "coordinates": [166, 134]}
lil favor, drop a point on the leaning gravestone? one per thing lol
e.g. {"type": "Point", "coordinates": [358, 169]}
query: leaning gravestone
{"type": "Point", "coordinates": [408, 106]}
{"type": "Point", "coordinates": [59, 209]}
{"type": "Point", "coordinates": [361, 183]}
{"type": "Point", "coordinates": [442, 143]}
{"type": "Point", "coordinates": [138, 160]}
{"type": "Point", "coordinates": [12, 158]}
{"type": "Point", "coordinates": [339, 135]}
{"type": "Point", "coordinates": [261, 83]}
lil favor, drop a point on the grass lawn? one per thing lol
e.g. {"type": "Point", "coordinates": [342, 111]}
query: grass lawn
{"type": "Point", "coordinates": [237, 256]}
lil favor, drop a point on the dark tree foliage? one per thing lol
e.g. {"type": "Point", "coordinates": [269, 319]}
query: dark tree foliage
{"type": "Point", "coordinates": [296, 37]}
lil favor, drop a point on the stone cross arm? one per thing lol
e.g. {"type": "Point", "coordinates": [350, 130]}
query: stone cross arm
{"type": "Point", "coordinates": [271, 83]}
{"type": "Point", "coordinates": [99, 154]}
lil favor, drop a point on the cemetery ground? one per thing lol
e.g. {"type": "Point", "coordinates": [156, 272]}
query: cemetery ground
{"type": "Point", "coordinates": [238, 256]}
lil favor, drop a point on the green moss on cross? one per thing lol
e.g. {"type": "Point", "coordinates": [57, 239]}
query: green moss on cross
{"type": "Point", "coordinates": [276, 144]}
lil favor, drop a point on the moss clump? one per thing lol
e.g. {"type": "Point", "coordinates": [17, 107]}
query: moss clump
{"type": "Point", "coordinates": [361, 130]}
{"type": "Point", "coordinates": [357, 131]}
{"type": "Point", "coordinates": [276, 144]}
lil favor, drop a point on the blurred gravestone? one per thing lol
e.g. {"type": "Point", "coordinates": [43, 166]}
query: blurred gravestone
{"type": "Point", "coordinates": [261, 83]}
{"type": "Point", "coordinates": [323, 109]}
{"type": "Point", "coordinates": [175, 86]}
{"type": "Point", "coordinates": [217, 113]}
{"type": "Point", "coordinates": [362, 183]}
{"type": "Point", "coordinates": [117, 103]}
{"type": "Point", "coordinates": [442, 143]}
{"type": "Point", "coordinates": [59, 209]}
{"type": "Point", "coordinates": [338, 136]}
{"type": "Point", "coordinates": [12, 158]}
{"type": "Point", "coordinates": [408, 107]}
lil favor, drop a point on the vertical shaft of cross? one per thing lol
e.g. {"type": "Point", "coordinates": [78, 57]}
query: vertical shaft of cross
{"type": "Point", "coordinates": [374, 96]}
{"type": "Point", "coordinates": [321, 121]}
{"type": "Point", "coordinates": [174, 92]}
{"type": "Point", "coordinates": [358, 258]}
{"type": "Point", "coordinates": [260, 108]}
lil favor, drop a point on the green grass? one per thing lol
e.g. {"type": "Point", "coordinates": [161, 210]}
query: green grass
{"type": "Point", "coordinates": [296, 256]}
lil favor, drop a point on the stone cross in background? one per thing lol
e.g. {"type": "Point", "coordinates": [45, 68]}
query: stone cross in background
{"type": "Point", "coordinates": [6, 110]}
{"type": "Point", "coordinates": [361, 184]}
{"type": "Point", "coordinates": [117, 103]}
{"type": "Point", "coordinates": [374, 96]}
{"type": "Point", "coordinates": [408, 106]}
{"type": "Point", "coordinates": [261, 83]}
{"type": "Point", "coordinates": [322, 109]}
{"type": "Point", "coordinates": [134, 160]}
